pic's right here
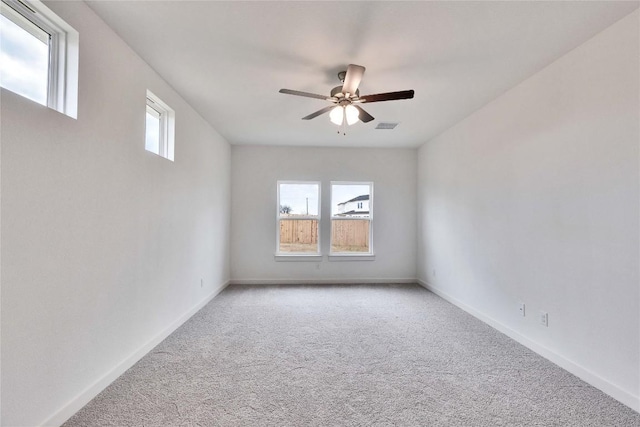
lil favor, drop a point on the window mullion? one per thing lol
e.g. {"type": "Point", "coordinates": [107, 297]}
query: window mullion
{"type": "Point", "coordinates": [164, 131]}
{"type": "Point", "coordinates": [54, 81]}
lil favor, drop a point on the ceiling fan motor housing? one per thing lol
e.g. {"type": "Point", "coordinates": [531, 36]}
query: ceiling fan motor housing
{"type": "Point", "coordinates": [337, 92]}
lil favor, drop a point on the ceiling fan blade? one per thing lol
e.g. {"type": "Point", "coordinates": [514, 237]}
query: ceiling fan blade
{"type": "Point", "coordinates": [319, 112]}
{"type": "Point", "coordinates": [352, 79]}
{"type": "Point", "coordinates": [389, 96]}
{"type": "Point", "coordinates": [307, 94]}
{"type": "Point", "coordinates": [363, 115]}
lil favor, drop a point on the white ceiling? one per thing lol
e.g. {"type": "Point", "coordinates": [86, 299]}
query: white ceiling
{"type": "Point", "coordinates": [229, 59]}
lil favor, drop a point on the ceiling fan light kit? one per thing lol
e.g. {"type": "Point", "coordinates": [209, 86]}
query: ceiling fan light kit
{"type": "Point", "coordinates": [340, 114]}
{"type": "Point", "coordinates": [337, 116]}
{"type": "Point", "coordinates": [345, 98]}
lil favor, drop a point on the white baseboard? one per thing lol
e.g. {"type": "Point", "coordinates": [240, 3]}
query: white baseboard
{"type": "Point", "coordinates": [67, 411]}
{"type": "Point", "coordinates": [584, 374]}
{"type": "Point", "coordinates": [338, 281]}
{"type": "Point", "coordinates": [92, 391]}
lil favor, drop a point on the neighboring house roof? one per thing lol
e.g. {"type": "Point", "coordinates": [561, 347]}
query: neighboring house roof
{"type": "Point", "coordinates": [353, 213]}
{"type": "Point", "coordinates": [356, 199]}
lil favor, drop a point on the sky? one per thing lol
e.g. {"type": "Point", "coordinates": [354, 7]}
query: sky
{"type": "Point", "coordinates": [152, 134]}
{"type": "Point", "coordinates": [296, 195]}
{"type": "Point", "coordinates": [24, 62]}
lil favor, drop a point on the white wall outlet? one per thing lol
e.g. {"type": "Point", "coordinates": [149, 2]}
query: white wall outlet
{"type": "Point", "coordinates": [544, 318]}
{"type": "Point", "coordinates": [201, 282]}
{"type": "Point", "coordinates": [521, 309]}
{"type": "Point", "coordinates": [434, 272]}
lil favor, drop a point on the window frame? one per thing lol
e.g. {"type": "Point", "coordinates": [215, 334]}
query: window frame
{"type": "Point", "coordinates": [62, 80]}
{"type": "Point", "coordinates": [352, 256]}
{"type": "Point", "coordinates": [166, 116]}
{"type": "Point", "coordinates": [298, 256]}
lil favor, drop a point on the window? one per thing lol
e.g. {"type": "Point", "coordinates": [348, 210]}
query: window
{"type": "Point", "coordinates": [298, 218]}
{"type": "Point", "coordinates": [39, 55]}
{"type": "Point", "coordinates": [159, 127]}
{"type": "Point", "coordinates": [351, 218]}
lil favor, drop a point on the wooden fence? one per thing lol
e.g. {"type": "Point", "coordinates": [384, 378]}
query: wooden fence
{"type": "Point", "coordinates": [350, 235]}
{"type": "Point", "coordinates": [346, 235]}
{"type": "Point", "coordinates": [299, 231]}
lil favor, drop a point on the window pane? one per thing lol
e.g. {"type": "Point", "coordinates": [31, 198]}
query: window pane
{"type": "Point", "coordinates": [299, 199]}
{"type": "Point", "coordinates": [24, 60]}
{"type": "Point", "coordinates": [350, 200]}
{"type": "Point", "coordinates": [298, 235]}
{"type": "Point", "coordinates": [160, 127]}
{"type": "Point", "coordinates": [152, 137]}
{"type": "Point", "coordinates": [350, 235]}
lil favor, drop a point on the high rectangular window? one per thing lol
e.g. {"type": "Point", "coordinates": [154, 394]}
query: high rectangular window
{"type": "Point", "coordinates": [159, 127]}
{"type": "Point", "coordinates": [298, 228]}
{"type": "Point", "coordinates": [25, 56]}
{"type": "Point", "coordinates": [351, 218]}
{"type": "Point", "coordinates": [39, 55]}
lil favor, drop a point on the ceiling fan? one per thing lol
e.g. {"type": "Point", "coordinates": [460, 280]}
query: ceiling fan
{"type": "Point", "coordinates": [345, 99]}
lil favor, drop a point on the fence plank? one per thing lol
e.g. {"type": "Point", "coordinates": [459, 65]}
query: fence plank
{"type": "Point", "coordinates": [350, 235]}
{"type": "Point", "coordinates": [298, 231]}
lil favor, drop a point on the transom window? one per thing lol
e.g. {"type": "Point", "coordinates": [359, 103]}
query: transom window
{"type": "Point", "coordinates": [159, 127]}
{"type": "Point", "coordinates": [25, 56]}
{"type": "Point", "coordinates": [38, 55]}
{"type": "Point", "coordinates": [298, 228]}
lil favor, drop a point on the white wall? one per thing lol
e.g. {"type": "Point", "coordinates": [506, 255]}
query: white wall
{"type": "Point", "coordinates": [535, 199]}
{"type": "Point", "coordinates": [103, 243]}
{"type": "Point", "coordinates": [255, 171]}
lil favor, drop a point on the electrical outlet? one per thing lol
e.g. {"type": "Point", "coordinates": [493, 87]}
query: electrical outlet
{"type": "Point", "coordinates": [201, 282]}
{"type": "Point", "coordinates": [434, 272]}
{"type": "Point", "coordinates": [544, 318]}
{"type": "Point", "coordinates": [521, 308]}
{"type": "Point", "coordinates": [318, 266]}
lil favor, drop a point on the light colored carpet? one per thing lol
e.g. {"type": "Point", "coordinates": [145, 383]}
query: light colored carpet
{"type": "Point", "coordinates": [352, 355]}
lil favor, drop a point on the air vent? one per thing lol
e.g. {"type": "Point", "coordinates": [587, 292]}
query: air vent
{"type": "Point", "coordinates": [386, 125]}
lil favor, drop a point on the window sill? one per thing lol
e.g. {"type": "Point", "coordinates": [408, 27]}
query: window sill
{"type": "Point", "coordinates": [298, 257]}
{"type": "Point", "coordinates": [352, 257]}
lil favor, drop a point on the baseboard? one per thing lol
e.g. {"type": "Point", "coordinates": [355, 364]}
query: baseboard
{"type": "Point", "coordinates": [584, 374]}
{"type": "Point", "coordinates": [337, 281]}
{"type": "Point", "coordinates": [67, 411]}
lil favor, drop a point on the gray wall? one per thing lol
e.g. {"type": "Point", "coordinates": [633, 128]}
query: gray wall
{"type": "Point", "coordinates": [255, 171]}
{"type": "Point", "coordinates": [534, 199]}
{"type": "Point", "coordinates": [103, 243]}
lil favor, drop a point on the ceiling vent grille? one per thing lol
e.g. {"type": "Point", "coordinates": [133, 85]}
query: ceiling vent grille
{"type": "Point", "coordinates": [386, 125]}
